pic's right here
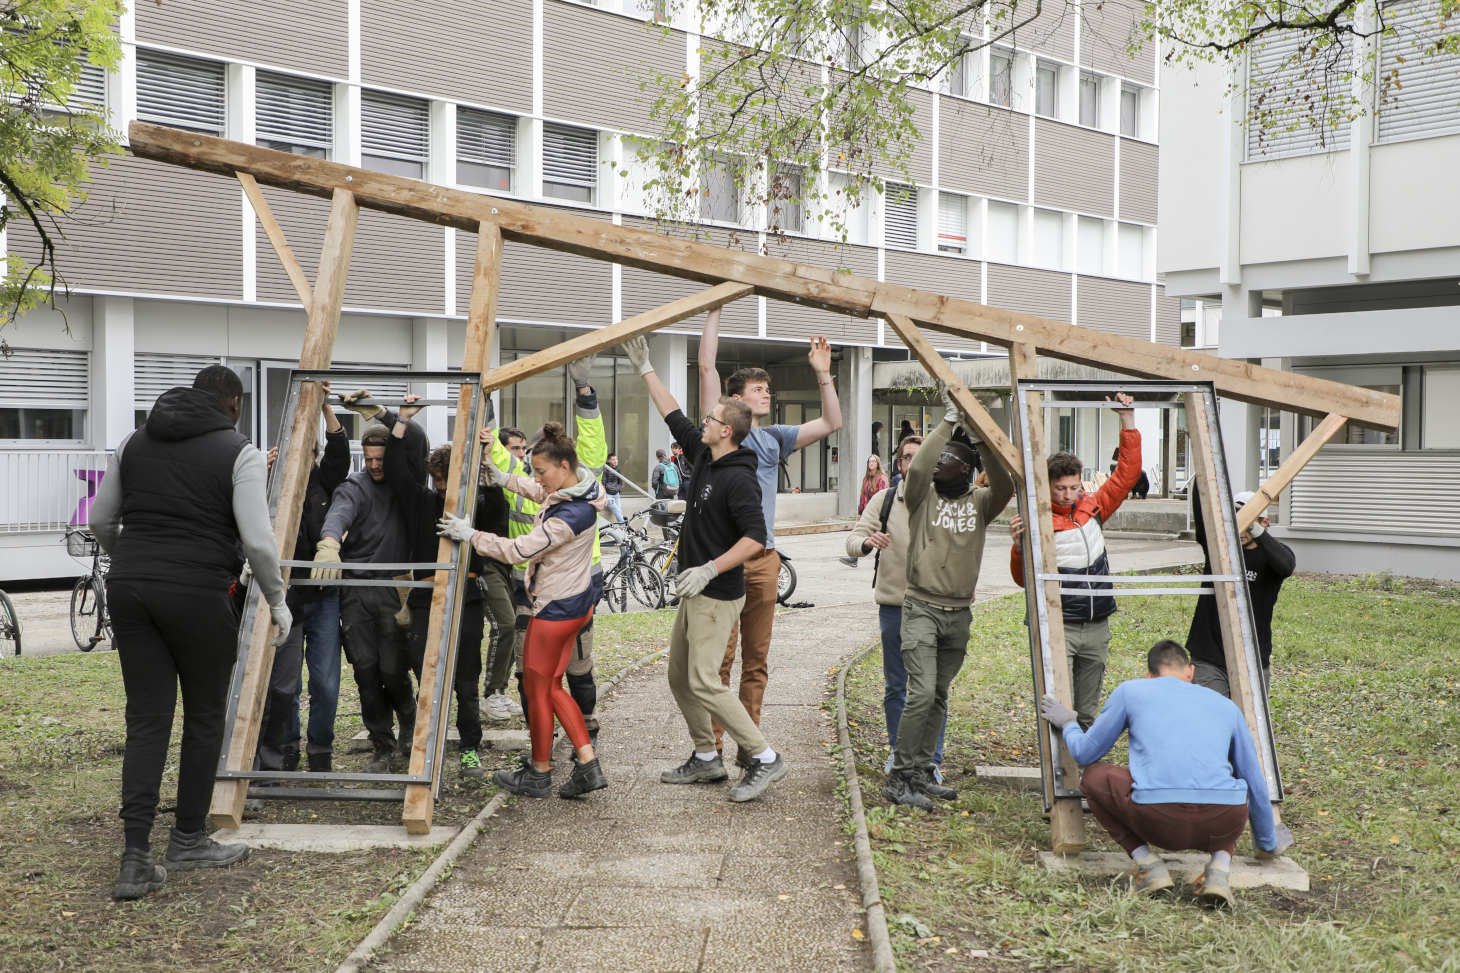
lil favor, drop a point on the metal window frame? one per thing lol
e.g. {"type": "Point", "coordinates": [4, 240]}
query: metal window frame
{"type": "Point", "coordinates": [1160, 395]}
{"type": "Point", "coordinates": [455, 570]}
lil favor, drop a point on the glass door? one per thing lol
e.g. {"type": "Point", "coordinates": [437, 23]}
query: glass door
{"type": "Point", "coordinates": [247, 372]}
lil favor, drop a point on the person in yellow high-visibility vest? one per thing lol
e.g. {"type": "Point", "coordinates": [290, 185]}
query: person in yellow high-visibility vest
{"type": "Point", "coordinates": [592, 444]}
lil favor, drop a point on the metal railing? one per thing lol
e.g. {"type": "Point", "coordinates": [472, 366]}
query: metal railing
{"type": "Point", "coordinates": [45, 490]}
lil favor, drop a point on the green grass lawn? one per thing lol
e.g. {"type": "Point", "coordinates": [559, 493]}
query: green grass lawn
{"type": "Point", "coordinates": [61, 742]}
{"type": "Point", "coordinates": [1364, 701]}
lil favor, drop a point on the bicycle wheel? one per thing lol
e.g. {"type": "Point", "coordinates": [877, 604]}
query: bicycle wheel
{"type": "Point", "coordinates": [785, 582]}
{"type": "Point", "coordinates": [85, 619]}
{"type": "Point", "coordinates": [9, 627]}
{"type": "Point", "coordinates": [614, 591]}
{"type": "Point", "coordinates": [665, 562]}
{"type": "Point", "coordinates": [644, 585]}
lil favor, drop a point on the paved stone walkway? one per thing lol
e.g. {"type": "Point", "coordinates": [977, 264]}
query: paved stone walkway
{"type": "Point", "coordinates": [649, 878]}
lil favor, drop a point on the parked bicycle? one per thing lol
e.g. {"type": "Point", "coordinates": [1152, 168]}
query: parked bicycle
{"type": "Point", "coordinates": [90, 624]}
{"type": "Point", "coordinates": [632, 578]}
{"type": "Point", "coordinates": [9, 627]}
{"type": "Point", "coordinates": [665, 560]}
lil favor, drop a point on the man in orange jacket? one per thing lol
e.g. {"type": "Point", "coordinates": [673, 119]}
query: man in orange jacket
{"type": "Point", "coordinates": [1079, 546]}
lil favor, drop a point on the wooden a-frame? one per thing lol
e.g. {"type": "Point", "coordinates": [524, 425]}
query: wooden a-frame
{"type": "Point", "coordinates": [728, 275]}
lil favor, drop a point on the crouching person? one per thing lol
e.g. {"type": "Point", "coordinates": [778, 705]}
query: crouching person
{"type": "Point", "coordinates": [560, 588]}
{"type": "Point", "coordinates": [1194, 781]}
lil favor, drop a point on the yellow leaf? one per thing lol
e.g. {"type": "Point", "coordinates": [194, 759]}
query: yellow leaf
{"type": "Point", "coordinates": [783, 898]}
{"type": "Point", "coordinates": [857, 934]}
{"type": "Point", "coordinates": [68, 914]}
{"type": "Point", "coordinates": [1394, 839]}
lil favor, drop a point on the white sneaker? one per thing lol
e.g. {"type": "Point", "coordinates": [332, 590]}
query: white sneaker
{"type": "Point", "coordinates": [500, 708]}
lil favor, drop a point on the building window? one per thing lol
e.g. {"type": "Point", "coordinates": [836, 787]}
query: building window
{"type": "Point", "coordinates": [853, 39]}
{"type": "Point", "coordinates": [901, 228]}
{"type": "Point", "coordinates": [784, 210]}
{"type": "Point", "coordinates": [1130, 111]}
{"type": "Point", "coordinates": [1001, 76]}
{"type": "Point", "coordinates": [1049, 239]}
{"type": "Point", "coordinates": [1089, 100]}
{"type": "Point", "coordinates": [1046, 90]}
{"type": "Point", "coordinates": [952, 223]}
{"type": "Point", "coordinates": [1003, 233]}
{"type": "Point", "coordinates": [1441, 406]}
{"type": "Point", "coordinates": [1418, 85]}
{"type": "Point", "coordinates": [1092, 246]}
{"type": "Point", "coordinates": [720, 192]}
{"type": "Point", "coordinates": [958, 71]}
{"type": "Point", "coordinates": [486, 149]}
{"type": "Point", "coordinates": [1131, 251]}
{"type": "Point", "coordinates": [569, 163]}
{"type": "Point", "coordinates": [295, 115]}
{"type": "Point", "coordinates": [1351, 435]}
{"type": "Point", "coordinates": [180, 92]}
{"type": "Point", "coordinates": [395, 134]}
{"type": "Point", "coordinates": [43, 396]}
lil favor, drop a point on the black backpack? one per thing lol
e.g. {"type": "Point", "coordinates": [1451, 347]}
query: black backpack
{"type": "Point", "coordinates": [887, 502]}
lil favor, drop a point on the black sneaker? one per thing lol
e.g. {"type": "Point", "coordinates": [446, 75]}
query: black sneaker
{"type": "Point", "coordinates": [694, 769]}
{"type": "Point", "coordinates": [139, 875]}
{"type": "Point", "coordinates": [194, 849]}
{"type": "Point", "coordinates": [321, 763]}
{"type": "Point", "coordinates": [586, 777]}
{"type": "Point", "coordinates": [526, 781]}
{"type": "Point", "coordinates": [898, 790]}
{"type": "Point", "coordinates": [759, 776]}
{"type": "Point", "coordinates": [924, 782]}
{"type": "Point", "coordinates": [380, 761]}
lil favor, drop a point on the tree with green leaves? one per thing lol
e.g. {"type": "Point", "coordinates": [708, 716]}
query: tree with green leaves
{"type": "Point", "coordinates": [53, 128]}
{"type": "Point", "coordinates": [800, 111]}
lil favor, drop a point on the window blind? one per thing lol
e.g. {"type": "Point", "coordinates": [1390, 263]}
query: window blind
{"type": "Point", "coordinates": [952, 223]}
{"type": "Point", "coordinates": [901, 228]}
{"type": "Point", "coordinates": [180, 92]}
{"type": "Point", "coordinates": [1419, 87]}
{"type": "Point", "coordinates": [35, 379]}
{"type": "Point", "coordinates": [295, 111]}
{"type": "Point", "coordinates": [1281, 95]}
{"type": "Point", "coordinates": [570, 155]}
{"type": "Point", "coordinates": [90, 88]}
{"type": "Point", "coordinates": [485, 138]}
{"type": "Point", "coordinates": [394, 126]}
{"type": "Point", "coordinates": [153, 374]}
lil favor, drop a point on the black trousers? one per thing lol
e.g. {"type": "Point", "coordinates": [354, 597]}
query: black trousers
{"type": "Point", "coordinates": [169, 636]}
{"type": "Point", "coordinates": [378, 652]}
{"type": "Point", "coordinates": [468, 664]}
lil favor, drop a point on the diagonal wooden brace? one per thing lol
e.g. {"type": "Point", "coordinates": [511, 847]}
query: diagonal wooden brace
{"type": "Point", "coordinates": [1286, 473]}
{"type": "Point", "coordinates": [282, 250]}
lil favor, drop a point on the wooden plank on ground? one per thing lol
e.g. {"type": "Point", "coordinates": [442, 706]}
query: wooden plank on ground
{"type": "Point", "coordinates": [1066, 818]}
{"type": "Point", "coordinates": [481, 326]}
{"type": "Point", "coordinates": [275, 233]}
{"type": "Point", "coordinates": [973, 410]}
{"type": "Point", "coordinates": [592, 342]}
{"type": "Point", "coordinates": [778, 279]}
{"type": "Point", "coordinates": [1290, 468]}
{"type": "Point", "coordinates": [319, 344]}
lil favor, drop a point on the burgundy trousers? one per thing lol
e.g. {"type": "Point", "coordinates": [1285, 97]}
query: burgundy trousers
{"type": "Point", "coordinates": [1174, 827]}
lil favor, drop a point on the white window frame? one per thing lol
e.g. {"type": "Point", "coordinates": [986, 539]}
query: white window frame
{"type": "Point", "coordinates": [500, 156]}
{"type": "Point", "coordinates": [321, 140]}
{"type": "Point", "coordinates": [900, 216]}
{"type": "Point", "coordinates": [380, 144]}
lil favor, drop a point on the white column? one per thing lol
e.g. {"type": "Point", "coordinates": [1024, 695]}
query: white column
{"type": "Point", "coordinates": [239, 125]}
{"type": "Point", "coordinates": [428, 354]}
{"type": "Point", "coordinates": [927, 220]}
{"type": "Point", "coordinates": [121, 84]}
{"type": "Point", "coordinates": [669, 354]}
{"type": "Point", "coordinates": [1361, 134]}
{"type": "Point", "coordinates": [1229, 270]}
{"type": "Point", "coordinates": [113, 385]}
{"type": "Point", "coordinates": [347, 124]}
{"type": "Point", "coordinates": [854, 442]}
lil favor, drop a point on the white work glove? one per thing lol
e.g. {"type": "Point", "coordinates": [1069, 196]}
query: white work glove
{"type": "Point", "coordinates": [327, 551]}
{"type": "Point", "coordinates": [953, 414]}
{"type": "Point", "coordinates": [456, 528]}
{"type": "Point", "coordinates": [245, 576]}
{"type": "Point", "coordinates": [1257, 530]}
{"type": "Point", "coordinates": [637, 349]}
{"type": "Point", "coordinates": [348, 400]}
{"type": "Point", "coordinates": [284, 620]}
{"type": "Point", "coordinates": [490, 475]}
{"type": "Point", "coordinates": [692, 582]}
{"type": "Point", "coordinates": [580, 371]}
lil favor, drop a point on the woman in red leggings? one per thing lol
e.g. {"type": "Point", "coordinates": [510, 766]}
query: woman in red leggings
{"type": "Point", "coordinates": [561, 589]}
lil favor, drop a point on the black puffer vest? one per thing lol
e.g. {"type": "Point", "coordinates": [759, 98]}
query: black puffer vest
{"type": "Point", "coordinates": [177, 495]}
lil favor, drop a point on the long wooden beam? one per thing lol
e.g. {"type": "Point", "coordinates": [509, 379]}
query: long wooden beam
{"type": "Point", "coordinates": [973, 410]}
{"type": "Point", "coordinates": [778, 279]}
{"type": "Point", "coordinates": [319, 344]}
{"type": "Point", "coordinates": [282, 250]}
{"type": "Point", "coordinates": [592, 342]}
{"type": "Point", "coordinates": [1290, 468]}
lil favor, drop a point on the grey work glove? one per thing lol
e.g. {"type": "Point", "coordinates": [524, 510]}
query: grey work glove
{"type": "Point", "coordinates": [282, 618]}
{"type": "Point", "coordinates": [581, 371]}
{"type": "Point", "coordinates": [637, 348]}
{"type": "Point", "coordinates": [1256, 530]}
{"type": "Point", "coordinates": [953, 415]}
{"type": "Point", "coordinates": [1284, 842]}
{"type": "Point", "coordinates": [456, 528]}
{"type": "Point", "coordinates": [327, 551]}
{"type": "Point", "coordinates": [1058, 714]}
{"type": "Point", "coordinates": [490, 475]}
{"type": "Point", "coordinates": [692, 582]}
{"type": "Point", "coordinates": [348, 400]}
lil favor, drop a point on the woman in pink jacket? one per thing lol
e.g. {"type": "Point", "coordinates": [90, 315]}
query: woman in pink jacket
{"type": "Point", "coordinates": [561, 589]}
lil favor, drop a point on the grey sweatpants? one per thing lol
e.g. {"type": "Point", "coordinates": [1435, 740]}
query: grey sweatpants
{"type": "Point", "coordinates": [696, 647]}
{"type": "Point", "coordinates": [934, 643]}
{"type": "Point", "coordinates": [1087, 646]}
{"type": "Point", "coordinates": [1215, 678]}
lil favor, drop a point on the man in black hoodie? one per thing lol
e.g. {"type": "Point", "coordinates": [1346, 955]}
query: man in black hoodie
{"type": "Point", "coordinates": [180, 497]}
{"type": "Point", "coordinates": [1268, 563]}
{"type": "Point", "coordinates": [724, 526]}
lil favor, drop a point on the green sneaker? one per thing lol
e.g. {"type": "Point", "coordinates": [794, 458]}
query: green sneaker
{"type": "Point", "coordinates": [471, 764]}
{"type": "Point", "coordinates": [1151, 876]}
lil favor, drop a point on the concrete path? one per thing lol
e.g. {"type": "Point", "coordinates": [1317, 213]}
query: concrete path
{"type": "Point", "coordinates": [646, 877]}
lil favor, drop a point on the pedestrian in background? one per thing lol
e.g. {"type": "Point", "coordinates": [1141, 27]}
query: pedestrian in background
{"type": "Point", "coordinates": [613, 485]}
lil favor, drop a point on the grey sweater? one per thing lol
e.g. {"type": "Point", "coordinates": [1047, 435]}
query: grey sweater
{"type": "Point", "coordinates": [368, 521]}
{"type": "Point", "coordinates": [250, 513]}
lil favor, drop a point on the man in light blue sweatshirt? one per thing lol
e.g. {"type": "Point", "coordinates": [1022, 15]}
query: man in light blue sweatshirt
{"type": "Point", "coordinates": [1194, 780]}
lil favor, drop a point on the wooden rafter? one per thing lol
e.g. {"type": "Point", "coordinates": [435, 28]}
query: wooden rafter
{"type": "Point", "coordinates": [275, 233]}
{"type": "Point", "coordinates": [778, 279]}
{"type": "Point", "coordinates": [1284, 474]}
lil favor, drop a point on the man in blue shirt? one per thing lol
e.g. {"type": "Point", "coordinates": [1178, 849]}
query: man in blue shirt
{"type": "Point", "coordinates": [1194, 780]}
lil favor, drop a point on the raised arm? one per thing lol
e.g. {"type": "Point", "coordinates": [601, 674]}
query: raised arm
{"type": "Point", "coordinates": [920, 470]}
{"type": "Point", "coordinates": [710, 387]}
{"type": "Point", "coordinates": [1114, 490]}
{"type": "Point", "coordinates": [1001, 485]}
{"type": "Point", "coordinates": [638, 351]}
{"type": "Point", "coordinates": [831, 407]}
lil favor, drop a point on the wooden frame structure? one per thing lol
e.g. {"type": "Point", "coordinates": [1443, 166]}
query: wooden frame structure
{"type": "Point", "coordinates": [728, 275]}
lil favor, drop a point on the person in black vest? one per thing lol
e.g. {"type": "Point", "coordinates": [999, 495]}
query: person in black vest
{"type": "Point", "coordinates": [181, 496]}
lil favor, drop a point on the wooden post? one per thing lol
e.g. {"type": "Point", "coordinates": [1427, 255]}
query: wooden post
{"type": "Point", "coordinates": [1066, 819]}
{"type": "Point", "coordinates": [275, 233]}
{"type": "Point", "coordinates": [1283, 475]}
{"type": "Point", "coordinates": [481, 325]}
{"type": "Point", "coordinates": [319, 344]}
